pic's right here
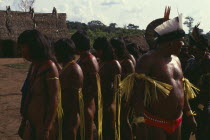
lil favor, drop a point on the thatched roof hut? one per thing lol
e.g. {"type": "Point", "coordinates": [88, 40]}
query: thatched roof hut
{"type": "Point", "coordinates": [139, 40]}
{"type": "Point", "coordinates": [12, 23]}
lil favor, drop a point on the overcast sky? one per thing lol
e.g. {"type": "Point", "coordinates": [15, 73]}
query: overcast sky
{"type": "Point", "coordinates": [122, 12]}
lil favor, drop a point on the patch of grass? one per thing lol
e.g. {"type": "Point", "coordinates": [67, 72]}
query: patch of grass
{"type": "Point", "coordinates": [18, 65]}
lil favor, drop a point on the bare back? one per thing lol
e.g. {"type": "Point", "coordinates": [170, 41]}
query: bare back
{"type": "Point", "coordinates": [108, 71]}
{"type": "Point", "coordinates": [71, 80]}
{"type": "Point", "coordinates": [89, 67]}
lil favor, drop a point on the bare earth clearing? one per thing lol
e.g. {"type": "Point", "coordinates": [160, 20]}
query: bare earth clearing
{"type": "Point", "coordinates": [12, 75]}
{"type": "Point", "coordinates": [11, 80]}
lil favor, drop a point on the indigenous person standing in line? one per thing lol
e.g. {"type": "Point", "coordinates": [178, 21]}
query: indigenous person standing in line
{"type": "Point", "coordinates": [71, 79]}
{"type": "Point", "coordinates": [134, 50]}
{"type": "Point", "coordinates": [109, 69]}
{"type": "Point", "coordinates": [127, 65]}
{"type": "Point", "coordinates": [41, 108]}
{"type": "Point", "coordinates": [197, 71]}
{"type": "Point", "coordinates": [90, 68]}
{"type": "Point", "coordinates": [127, 62]}
{"type": "Point", "coordinates": [158, 95]}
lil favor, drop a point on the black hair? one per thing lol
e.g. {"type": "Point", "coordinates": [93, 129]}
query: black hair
{"type": "Point", "coordinates": [134, 50]}
{"type": "Point", "coordinates": [120, 49]}
{"type": "Point", "coordinates": [65, 50]}
{"type": "Point", "coordinates": [81, 40]}
{"type": "Point", "coordinates": [170, 36]}
{"type": "Point", "coordinates": [102, 43]}
{"type": "Point", "coordinates": [39, 47]}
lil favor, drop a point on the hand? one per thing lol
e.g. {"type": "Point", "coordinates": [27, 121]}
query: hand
{"type": "Point", "coordinates": [192, 124]}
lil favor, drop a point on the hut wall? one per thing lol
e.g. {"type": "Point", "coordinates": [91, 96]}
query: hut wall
{"type": "Point", "coordinates": [13, 23]}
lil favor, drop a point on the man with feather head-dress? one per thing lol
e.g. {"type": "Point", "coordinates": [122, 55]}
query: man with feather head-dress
{"type": "Point", "coordinates": [156, 90]}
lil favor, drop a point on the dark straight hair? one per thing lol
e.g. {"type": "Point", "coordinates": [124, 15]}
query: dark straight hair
{"type": "Point", "coordinates": [64, 49]}
{"type": "Point", "coordinates": [102, 43]}
{"type": "Point", "coordinates": [39, 46]}
{"type": "Point", "coordinates": [120, 49]}
{"type": "Point", "coordinates": [81, 40]}
{"type": "Point", "coordinates": [134, 50]}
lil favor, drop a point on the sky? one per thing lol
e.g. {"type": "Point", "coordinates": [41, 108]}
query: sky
{"type": "Point", "coordinates": [122, 12]}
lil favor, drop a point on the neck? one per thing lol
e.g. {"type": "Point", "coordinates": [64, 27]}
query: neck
{"type": "Point", "coordinates": [163, 51]}
{"type": "Point", "coordinates": [64, 63]}
{"type": "Point", "coordinates": [84, 53]}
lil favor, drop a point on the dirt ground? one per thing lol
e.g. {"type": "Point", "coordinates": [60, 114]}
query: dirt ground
{"type": "Point", "coordinates": [11, 80]}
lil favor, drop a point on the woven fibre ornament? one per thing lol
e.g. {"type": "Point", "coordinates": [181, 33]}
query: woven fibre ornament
{"type": "Point", "coordinates": [170, 26]}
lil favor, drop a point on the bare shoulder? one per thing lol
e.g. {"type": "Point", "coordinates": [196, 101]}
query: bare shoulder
{"type": "Point", "coordinates": [92, 64]}
{"type": "Point", "coordinates": [49, 67]}
{"type": "Point", "coordinates": [117, 67]}
{"type": "Point", "coordinates": [145, 62]}
{"type": "Point", "coordinates": [117, 63]}
{"type": "Point", "coordinates": [126, 62]}
{"type": "Point", "coordinates": [174, 57]}
{"type": "Point", "coordinates": [76, 70]}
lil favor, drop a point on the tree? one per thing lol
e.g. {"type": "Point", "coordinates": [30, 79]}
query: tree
{"type": "Point", "coordinates": [201, 31]}
{"type": "Point", "coordinates": [95, 23]}
{"type": "Point", "coordinates": [113, 25]}
{"type": "Point", "coordinates": [132, 26]}
{"type": "Point", "coordinates": [189, 23]}
{"type": "Point", "coordinates": [76, 25]}
{"type": "Point", "coordinates": [208, 34]}
{"type": "Point", "coordinates": [25, 5]}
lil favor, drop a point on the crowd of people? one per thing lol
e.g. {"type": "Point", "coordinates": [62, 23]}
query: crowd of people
{"type": "Point", "coordinates": [117, 93]}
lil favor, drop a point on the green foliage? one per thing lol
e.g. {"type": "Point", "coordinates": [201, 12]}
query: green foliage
{"type": "Point", "coordinates": [189, 23]}
{"type": "Point", "coordinates": [97, 29]}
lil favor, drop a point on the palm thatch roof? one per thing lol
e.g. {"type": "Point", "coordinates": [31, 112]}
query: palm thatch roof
{"type": "Point", "coordinates": [12, 23]}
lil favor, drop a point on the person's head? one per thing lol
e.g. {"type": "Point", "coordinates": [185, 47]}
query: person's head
{"type": "Point", "coordinates": [198, 42]}
{"type": "Point", "coordinates": [174, 46]}
{"type": "Point", "coordinates": [81, 41]}
{"type": "Point", "coordinates": [34, 46]}
{"type": "Point", "coordinates": [65, 50]}
{"type": "Point", "coordinates": [103, 49]}
{"type": "Point", "coordinates": [170, 34]}
{"type": "Point", "coordinates": [119, 47]}
{"type": "Point", "coordinates": [134, 50]}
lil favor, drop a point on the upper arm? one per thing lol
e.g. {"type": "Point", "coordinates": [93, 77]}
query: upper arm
{"type": "Point", "coordinates": [76, 77]}
{"type": "Point", "coordinates": [118, 68]}
{"type": "Point", "coordinates": [92, 66]}
{"type": "Point", "coordinates": [144, 64]}
{"type": "Point", "coordinates": [52, 80]}
{"type": "Point", "coordinates": [127, 68]}
{"type": "Point", "coordinates": [143, 67]}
